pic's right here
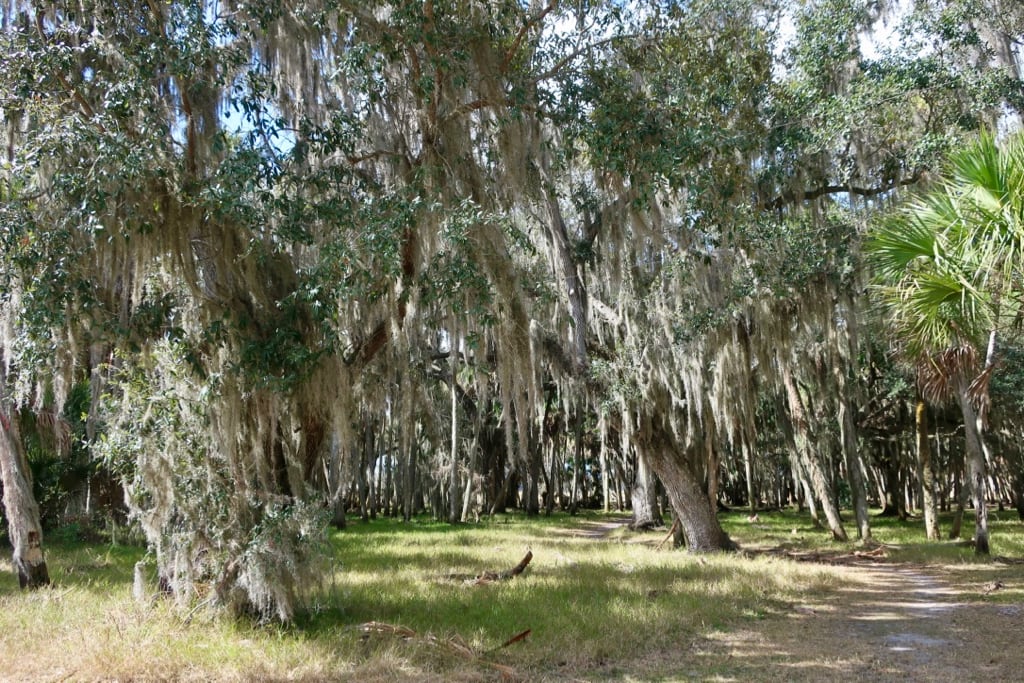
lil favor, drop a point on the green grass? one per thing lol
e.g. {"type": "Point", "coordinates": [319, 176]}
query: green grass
{"type": "Point", "coordinates": [604, 608]}
{"type": "Point", "coordinates": [791, 530]}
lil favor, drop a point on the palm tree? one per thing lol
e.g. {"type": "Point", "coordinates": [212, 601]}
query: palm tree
{"type": "Point", "coordinates": [948, 266]}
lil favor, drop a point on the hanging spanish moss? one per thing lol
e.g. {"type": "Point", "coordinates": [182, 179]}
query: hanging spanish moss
{"type": "Point", "coordinates": [302, 252]}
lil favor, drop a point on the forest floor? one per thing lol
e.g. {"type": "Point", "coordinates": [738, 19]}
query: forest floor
{"type": "Point", "coordinates": [403, 602]}
{"type": "Point", "coordinates": [889, 621]}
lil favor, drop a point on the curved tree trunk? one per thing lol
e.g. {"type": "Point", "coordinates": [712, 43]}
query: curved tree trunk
{"type": "Point", "coordinates": [24, 528]}
{"type": "Point", "coordinates": [695, 512]}
{"type": "Point", "coordinates": [810, 463]}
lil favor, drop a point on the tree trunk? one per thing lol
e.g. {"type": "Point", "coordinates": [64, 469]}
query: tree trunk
{"type": "Point", "coordinates": [602, 456]}
{"type": "Point", "coordinates": [695, 513]}
{"type": "Point", "coordinates": [961, 493]}
{"type": "Point", "coordinates": [924, 459]}
{"type": "Point", "coordinates": [748, 470]}
{"type": "Point", "coordinates": [644, 497]}
{"type": "Point", "coordinates": [578, 489]}
{"type": "Point", "coordinates": [362, 483]}
{"type": "Point", "coordinates": [889, 464]}
{"type": "Point", "coordinates": [712, 462]}
{"type": "Point", "coordinates": [809, 461]}
{"type": "Point", "coordinates": [805, 493]}
{"type": "Point", "coordinates": [471, 481]}
{"type": "Point", "coordinates": [391, 495]}
{"type": "Point", "coordinates": [551, 475]}
{"type": "Point", "coordinates": [23, 526]}
{"type": "Point", "coordinates": [535, 457]}
{"type": "Point", "coordinates": [409, 483]}
{"type": "Point", "coordinates": [858, 490]}
{"type": "Point", "coordinates": [974, 453]}
{"type": "Point", "coordinates": [1017, 479]}
{"type": "Point", "coordinates": [454, 485]}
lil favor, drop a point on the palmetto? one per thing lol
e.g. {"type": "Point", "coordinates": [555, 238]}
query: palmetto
{"type": "Point", "coordinates": [948, 268]}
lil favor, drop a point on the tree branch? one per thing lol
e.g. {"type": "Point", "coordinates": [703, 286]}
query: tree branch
{"type": "Point", "coordinates": [793, 197]}
{"type": "Point", "coordinates": [518, 40]}
{"type": "Point", "coordinates": [85, 109]}
{"type": "Point", "coordinates": [561, 63]}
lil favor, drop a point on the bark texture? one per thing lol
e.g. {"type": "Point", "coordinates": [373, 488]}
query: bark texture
{"type": "Point", "coordinates": [695, 512]}
{"type": "Point", "coordinates": [644, 497]}
{"type": "Point", "coordinates": [20, 506]}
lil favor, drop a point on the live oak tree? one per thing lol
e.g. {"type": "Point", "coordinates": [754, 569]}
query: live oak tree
{"type": "Point", "coordinates": [257, 280]}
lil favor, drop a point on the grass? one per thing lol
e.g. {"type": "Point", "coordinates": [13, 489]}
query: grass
{"type": "Point", "coordinates": [599, 606]}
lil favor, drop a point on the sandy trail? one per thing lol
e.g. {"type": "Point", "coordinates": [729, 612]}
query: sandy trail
{"type": "Point", "coordinates": [894, 623]}
{"type": "Point", "coordinates": [886, 623]}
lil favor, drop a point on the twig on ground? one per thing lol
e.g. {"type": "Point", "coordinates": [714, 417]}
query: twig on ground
{"type": "Point", "coordinates": [515, 639]}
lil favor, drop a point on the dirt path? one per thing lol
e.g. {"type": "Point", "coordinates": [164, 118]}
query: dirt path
{"type": "Point", "coordinates": [600, 530]}
{"type": "Point", "coordinates": [894, 623]}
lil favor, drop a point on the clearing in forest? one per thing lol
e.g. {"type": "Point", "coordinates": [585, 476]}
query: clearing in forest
{"type": "Point", "coordinates": [596, 602]}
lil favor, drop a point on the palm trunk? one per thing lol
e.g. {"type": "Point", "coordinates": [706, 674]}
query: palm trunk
{"type": "Point", "coordinates": [924, 459]}
{"type": "Point", "coordinates": [976, 468]}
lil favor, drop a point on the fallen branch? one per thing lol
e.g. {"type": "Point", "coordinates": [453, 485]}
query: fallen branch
{"type": "Point", "coordinates": [514, 639]}
{"type": "Point", "coordinates": [389, 629]}
{"type": "Point", "coordinates": [490, 577]}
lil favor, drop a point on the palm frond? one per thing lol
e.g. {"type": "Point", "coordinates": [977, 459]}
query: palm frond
{"type": "Point", "coordinates": [939, 373]}
{"type": "Point", "coordinates": [980, 170]}
{"type": "Point", "coordinates": [948, 265]}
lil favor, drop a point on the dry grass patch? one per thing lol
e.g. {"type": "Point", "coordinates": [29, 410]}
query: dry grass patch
{"type": "Point", "coordinates": [597, 605]}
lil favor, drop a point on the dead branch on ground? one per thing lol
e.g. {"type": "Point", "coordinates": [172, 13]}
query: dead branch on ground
{"type": "Point", "coordinates": [490, 577]}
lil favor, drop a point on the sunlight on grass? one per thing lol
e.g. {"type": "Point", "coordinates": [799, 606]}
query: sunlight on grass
{"type": "Point", "coordinates": [597, 604]}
